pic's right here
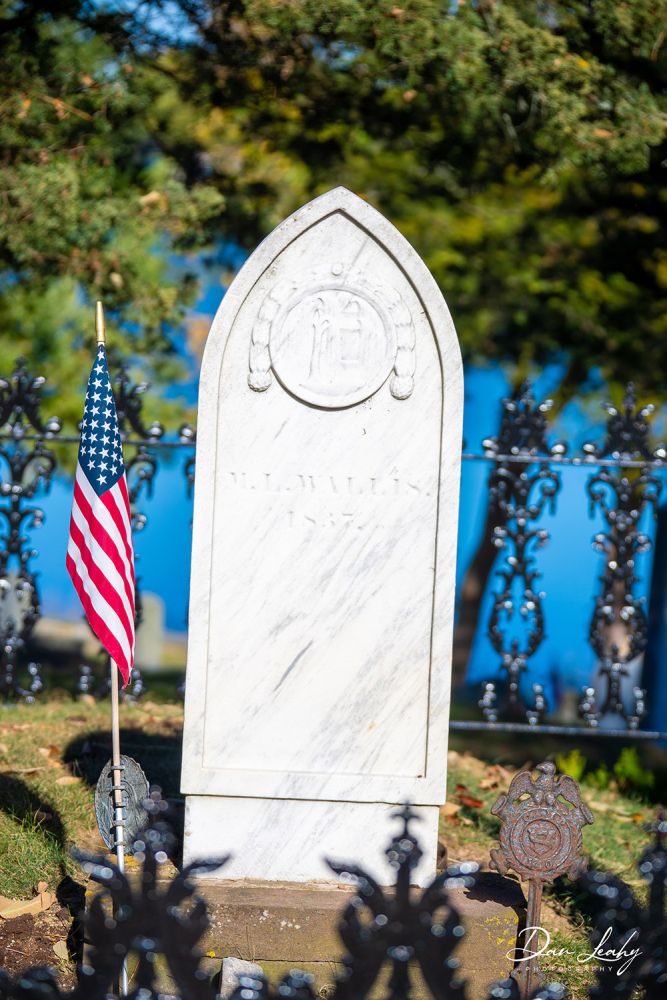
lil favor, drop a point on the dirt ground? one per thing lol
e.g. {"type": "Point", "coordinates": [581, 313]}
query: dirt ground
{"type": "Point", "coordinates": [45, 939]}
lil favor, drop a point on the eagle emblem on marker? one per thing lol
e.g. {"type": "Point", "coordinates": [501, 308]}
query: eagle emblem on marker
{"type": "Point", "coordinates": [542, 819]}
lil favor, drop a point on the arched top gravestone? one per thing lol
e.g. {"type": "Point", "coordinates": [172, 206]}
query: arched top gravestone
{"type": "Point", "coordinates": [322, 591]}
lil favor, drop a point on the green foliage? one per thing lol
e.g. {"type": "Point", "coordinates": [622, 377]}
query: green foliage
{"type": "Point", "coordinates": [630, 776]}
{"type": "Point", "coordinates": [572, 763]}
{"type": "Point", "coordinates": [90, 205]}
{"type": "Point", "coordinates": [519, 147]}
{"type": "Point", "coordinates": [599, 778]}
{"type": "Point", "coordinates": [629, 773]}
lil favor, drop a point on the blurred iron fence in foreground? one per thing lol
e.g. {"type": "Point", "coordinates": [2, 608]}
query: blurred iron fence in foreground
{"type": "Point", "coordinates": [400, 931]}
{"type": "Point", "coordinates": [623, 479]}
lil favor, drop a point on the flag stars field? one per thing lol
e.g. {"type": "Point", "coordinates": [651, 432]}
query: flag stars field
{"type": "Point", "coordinates": [100, 557]}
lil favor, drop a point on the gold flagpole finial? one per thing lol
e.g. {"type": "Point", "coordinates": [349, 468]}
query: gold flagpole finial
{"type": "Point", "coordinates": [99, 322]}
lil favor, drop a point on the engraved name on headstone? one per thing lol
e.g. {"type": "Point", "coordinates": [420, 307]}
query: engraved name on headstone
{"type": "Point", "coordinates": [322, 591]}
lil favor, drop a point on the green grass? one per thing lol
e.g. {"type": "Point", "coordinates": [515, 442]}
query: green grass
{"type": "Point", "coordinates": [43, 816]}
{"type": "Point", "coordinates": [50, 757]}
{"type": "Point", "coordinates": [613, 843]}
{"type": "Point", "coordinates": [29, 855]}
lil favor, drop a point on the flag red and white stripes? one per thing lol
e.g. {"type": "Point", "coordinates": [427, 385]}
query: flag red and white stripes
{"type": "Point", "coordinates": [100, 556]}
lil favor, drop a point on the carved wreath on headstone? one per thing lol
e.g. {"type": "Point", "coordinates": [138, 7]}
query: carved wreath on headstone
{"type": "Point", "coordinates": [334, 339]}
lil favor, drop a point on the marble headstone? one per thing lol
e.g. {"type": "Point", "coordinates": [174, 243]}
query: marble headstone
{"type": "Point", "coordinates": [325, 522]}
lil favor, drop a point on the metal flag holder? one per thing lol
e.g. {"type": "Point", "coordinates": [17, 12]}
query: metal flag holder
{"type": "Point", "coordinates": [120, 805]}
{"type": "Point", "coordinates": [117, 770]}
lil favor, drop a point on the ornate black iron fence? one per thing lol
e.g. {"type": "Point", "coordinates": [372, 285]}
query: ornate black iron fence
{"type": "Point", "coordinates": [624, 481]}
{"type": "Point", "coordinates": [623, 477]}
{"type": "Point", "coordinates": [400, 930]}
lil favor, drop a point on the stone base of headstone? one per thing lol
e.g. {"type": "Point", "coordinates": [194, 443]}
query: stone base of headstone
{"type": "Point", "coordinates": [287, 840]}
{"type": "Point", "coordinates": [286, 925]}
{"type": "Point", "coordinates": [283, 926]}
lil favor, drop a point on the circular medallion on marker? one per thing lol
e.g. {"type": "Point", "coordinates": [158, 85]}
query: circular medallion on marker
{"type": "Point", "coordinates": [135, 790]}
{"type": "Point", "coordinates": [332, 346]}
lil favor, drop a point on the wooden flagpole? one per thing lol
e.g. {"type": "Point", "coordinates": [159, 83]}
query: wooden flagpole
{"type": "Point", "coordinates": [116, 766]}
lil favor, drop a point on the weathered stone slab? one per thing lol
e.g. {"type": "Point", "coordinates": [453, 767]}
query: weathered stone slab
{"type": "Point", "coordinates": [285, 926]}
{"type": "Point", "coordinates": [321, 605]}
{"type": "Point", "coordinates": [282, 927]}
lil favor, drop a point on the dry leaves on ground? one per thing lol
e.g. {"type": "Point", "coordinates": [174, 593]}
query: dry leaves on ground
{"type": "Point", "coordinates": [496, 776]}
{"type": "Point", "coordinates": [465, 798]}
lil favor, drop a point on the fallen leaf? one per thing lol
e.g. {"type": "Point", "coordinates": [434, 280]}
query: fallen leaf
{"type": "Point", "coordinates": [467, 799]}
{"type": "Point", "coordinates": [450, 809]}
{"type": "Point", "coordinates": [61, 951]}
{"type": "Point", "coordinates": [496, 776]}
{"type": "Point", "coordinates": [4, 748]}
{"type": "Point", "coordinates": [67, 779]}
{"type": "Point", "coordinates": [76, 718]}
{"type": "Point", "coordinates": [52, 754]}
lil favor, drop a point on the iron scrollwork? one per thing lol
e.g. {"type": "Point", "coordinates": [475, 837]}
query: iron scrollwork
{"type": "Point", "coordinates": [520, 488]}
{"type": "Point", "coordinates": [149, 918]}
{"type": "Point", "coordinates": [28, 466]}
{"type": "Point", "coordinates": [187, 436]}
{"type": "Point", "coordinates": [618, 630]}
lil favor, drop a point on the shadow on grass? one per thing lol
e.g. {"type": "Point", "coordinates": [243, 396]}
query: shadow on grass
{"type": "Point", "coordinates": [40, 820]}
{"type": "Point", "coordinates": [26, 806]}
{"type": "Point", "coordinates": [158, 754]}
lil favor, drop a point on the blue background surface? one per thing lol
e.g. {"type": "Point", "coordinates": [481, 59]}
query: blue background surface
{"type": "Point", "coordinates": [569, 565]}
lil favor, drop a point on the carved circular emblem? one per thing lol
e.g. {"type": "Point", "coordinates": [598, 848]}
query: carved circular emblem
{"type": "Point", "coordinates": [333, 338]}
{"type": "Point", "coordinates": [330, 346]}
{"type": "Point", "coordinates": [541, 840]}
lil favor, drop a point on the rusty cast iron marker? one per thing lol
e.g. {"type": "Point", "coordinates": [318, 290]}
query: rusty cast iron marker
{"type": "Point", "coordinates": [540, 839]}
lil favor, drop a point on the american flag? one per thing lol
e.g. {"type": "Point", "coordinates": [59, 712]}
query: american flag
{"type": "Point", "coordinates": [100, 557]}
